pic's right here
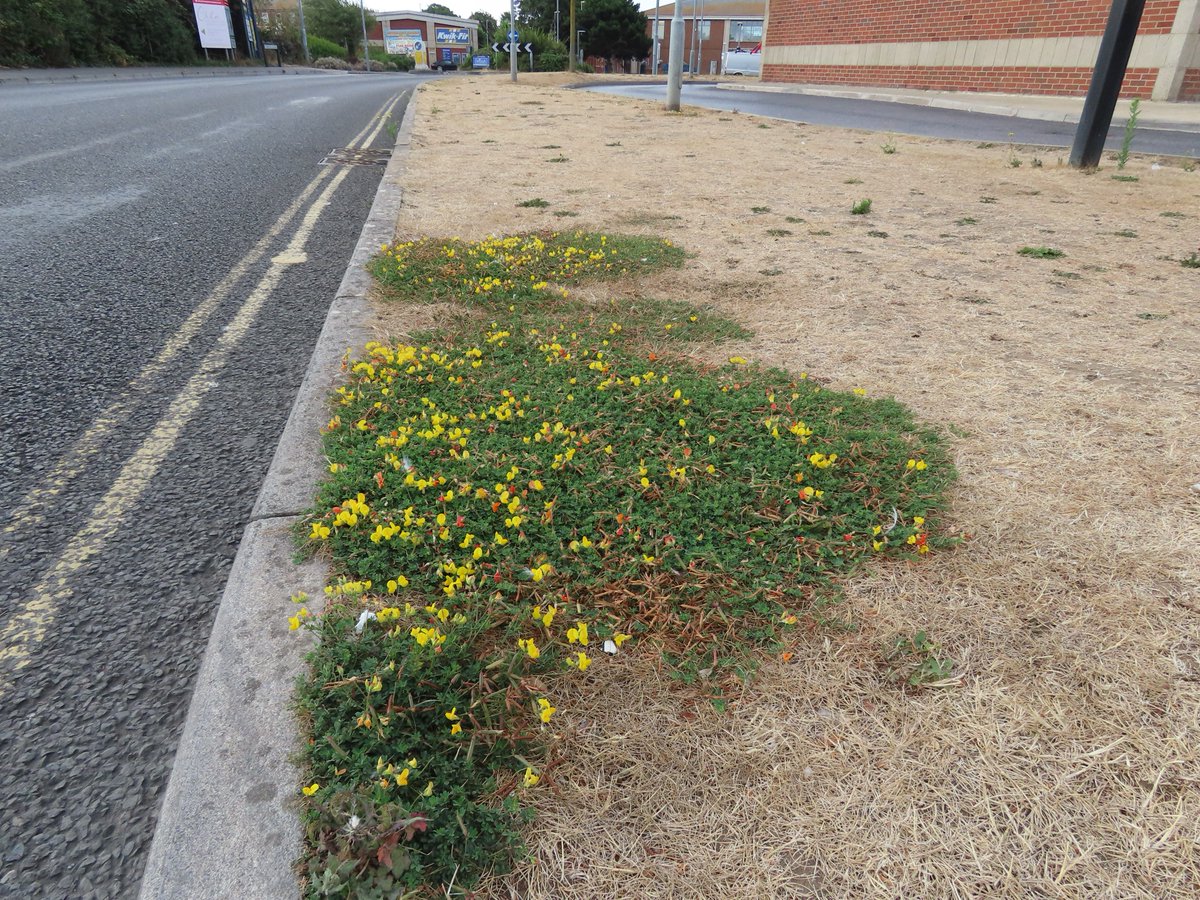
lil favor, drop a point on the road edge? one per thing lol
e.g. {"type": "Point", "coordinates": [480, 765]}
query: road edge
{"type": "Point", "coordinates": [228, 825]}
{"type": "Point", "coordinates": [987, 105]}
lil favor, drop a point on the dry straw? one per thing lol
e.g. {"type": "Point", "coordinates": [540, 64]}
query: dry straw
{"type": "Point", "coordinates": [1064, 761]}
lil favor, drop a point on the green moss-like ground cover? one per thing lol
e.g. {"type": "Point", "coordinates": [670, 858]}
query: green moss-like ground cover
{"type": "Point", "coordinates": [509, 497]}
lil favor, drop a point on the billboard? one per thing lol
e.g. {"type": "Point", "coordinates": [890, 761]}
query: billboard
{"type": "Point", "coordinates": [452, 35]}
{"type": "Point", "coordinates": [214, 23]}
{"type": "Point", "coordinates": [406, 41]}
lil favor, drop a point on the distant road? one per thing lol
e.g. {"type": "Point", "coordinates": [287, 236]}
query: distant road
{"type": "Point", "coordinates": [903, 118]}
{"type": "Point", "coordinates": [168, 251]}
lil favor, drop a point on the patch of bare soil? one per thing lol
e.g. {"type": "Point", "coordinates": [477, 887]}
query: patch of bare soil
{"type": "Point", "coordinates": [1064, 760]}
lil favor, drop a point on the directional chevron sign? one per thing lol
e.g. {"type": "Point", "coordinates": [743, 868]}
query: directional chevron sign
{"type": "Point", "coordinates": [520, 48]}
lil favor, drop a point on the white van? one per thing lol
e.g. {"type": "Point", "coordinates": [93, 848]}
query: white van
{"type": "Point", "coordinates": [742, 62]}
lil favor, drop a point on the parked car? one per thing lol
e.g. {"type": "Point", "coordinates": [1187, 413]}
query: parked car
{"type": "Point", "coordinates": [743, 62]}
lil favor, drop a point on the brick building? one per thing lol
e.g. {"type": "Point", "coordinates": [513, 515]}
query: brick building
{"type": "Point", "coordinates": [1012, 46]}
{"type": "Point", "coordinates": [431, 39]}
{"type": "Point", "coordinates": [720, 26]}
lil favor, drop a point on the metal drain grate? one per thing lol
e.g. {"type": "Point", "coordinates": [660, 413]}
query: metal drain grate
{"type": "Point", "coordinates": [350, 156]}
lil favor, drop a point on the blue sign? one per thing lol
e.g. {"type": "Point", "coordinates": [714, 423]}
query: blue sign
{"type": "Point", "coordinates": [452, 35]}
{"type": "Point", "coordinates": [512, 35]}
{"type": "Point", "coordinates": [481, 61]}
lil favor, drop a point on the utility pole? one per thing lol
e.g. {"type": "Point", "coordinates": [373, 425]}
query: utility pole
{"type": "Point", "coordinates": [556, 17]}
{"type": "Point", "coordinates": [700, 41]}
{"type": "Point", "coordinates": [303, 31]}
{"type": "Point", "coordinates": [1115, 47]}
{"type": "Point", "coordinates": [692, 44]}
{"type": "Point", "coordinates": [512, 39]}
{"type": "Point", "coordinates": [657, 36]}
{"type": "Point", "coordinates": [366, 47]}
{"type": "Point", "coordinates": [675, 59]}
{"type": "Point", "coordinates": [574, 41]}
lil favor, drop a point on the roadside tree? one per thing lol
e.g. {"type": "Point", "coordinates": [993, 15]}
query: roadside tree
{"type": "Point", "coordinates": [338, 21]}
{"type": "Point", "coordinates": [613, 29]}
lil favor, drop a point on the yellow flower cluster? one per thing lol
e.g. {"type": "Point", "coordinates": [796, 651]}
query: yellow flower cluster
{"type": "Point", "coordinates": [499, 264]}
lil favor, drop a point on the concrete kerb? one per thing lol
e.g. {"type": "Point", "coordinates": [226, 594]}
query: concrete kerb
{"type": "Point", "coordinates": [229, 826]}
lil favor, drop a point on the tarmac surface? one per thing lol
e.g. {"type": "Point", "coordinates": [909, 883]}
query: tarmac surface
{"type": "Point", "coordinates": [168, 250]}
{"type": "Point", "coordinates": [903, 117]}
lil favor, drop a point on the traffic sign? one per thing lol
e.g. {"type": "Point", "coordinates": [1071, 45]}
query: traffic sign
{"type": "Point", "coordinates": [512, 36]}
{"type": "Point", "coordinates": [509, 48]}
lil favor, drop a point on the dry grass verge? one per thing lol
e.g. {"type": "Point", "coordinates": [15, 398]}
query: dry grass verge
{"type": "Point", "coordinates": [1064, 762]}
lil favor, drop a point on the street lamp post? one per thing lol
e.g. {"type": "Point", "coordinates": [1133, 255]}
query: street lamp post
{"type": "Point", "coordinates": [657, 36]}
{"type": "Point", "coordinates": [675, 58]}
{"type": "Point", "coordinates": [303, 31]}
{"type": "Point", "coordinates": [366, 47]}
{"type": "Point", "coordinates": [579, 42]}
{"type": "Point", "coordinates": [512, 39]}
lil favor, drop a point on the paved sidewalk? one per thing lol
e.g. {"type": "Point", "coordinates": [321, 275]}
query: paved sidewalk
{"type": "Point", "coordinates": [1179, 116]}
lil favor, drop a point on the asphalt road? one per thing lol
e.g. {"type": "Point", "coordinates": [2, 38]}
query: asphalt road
{"type": "Point", "coordinates": [901, 118]}
{"type": "Point", "coordinates": [142, 402]}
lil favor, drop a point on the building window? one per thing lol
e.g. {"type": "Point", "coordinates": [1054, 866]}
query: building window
{"type": "Point", "coordinates": [745, 31]}
{"type": "Point", "coordinates": [705, 26]}
{"type": "Point", "coordinates": [662, 28]}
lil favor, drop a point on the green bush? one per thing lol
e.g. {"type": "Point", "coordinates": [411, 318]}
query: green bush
{"type": "Point", "coordinates": [401, 62]}
{"type": "Point", "coordinates": [544, 47]}
{"type": "Point", "coordinates": [74, 32]}
{"type": "Point", "coordinates": [551, 62]}
{"type": "Point", "coordinates": [319, 47]}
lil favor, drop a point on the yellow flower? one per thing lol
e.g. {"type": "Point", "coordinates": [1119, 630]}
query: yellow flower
{"type": "Point", "coordinates": [453, 714]}
{"type": "Point", "coordinates": [737, 360]}
{"type": "Point", "coordinates": [456, 728]}
{"type": "Point", "coordinates": [529, 647]}
{"type": "Point", "coordinates": [582, 662]}
{"type": "Point", "coordinates": [530, 778]}
{"type": "Point", "coordinates": [918, 520]}
{"type": "Point", "coordinates": [619, 638]}
{"type": "Point", "coordinates": [311, 789]}
{"type": "Point", "coordinates": [578, 634]}
{"type": "Point", "coordinates": [428, 792]}
{"type": "Point", "coordinates": [545, 710]}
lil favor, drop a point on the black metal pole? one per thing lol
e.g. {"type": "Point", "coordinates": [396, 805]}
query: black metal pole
{"type": "Point", "coordinates": [1111, 62]}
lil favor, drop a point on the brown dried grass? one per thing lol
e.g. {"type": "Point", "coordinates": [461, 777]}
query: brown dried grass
{"type": "Point", "coordinates": [1064, 761]}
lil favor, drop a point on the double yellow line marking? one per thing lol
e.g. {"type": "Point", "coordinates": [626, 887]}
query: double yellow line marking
{"type": "Point", "coordinates": [28, 626]}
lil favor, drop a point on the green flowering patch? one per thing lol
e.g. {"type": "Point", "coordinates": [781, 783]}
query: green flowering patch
{"type": "Point", "coordinates": [524, 497]}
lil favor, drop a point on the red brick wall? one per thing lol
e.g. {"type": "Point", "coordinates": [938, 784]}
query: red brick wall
{"type": "Point", "coordinates": [1008, 80]}
{"type": "Point", "coordinates": [375, 32]}
{"type": "Point", "coordinates": [708, 50]}
{"type": "Point", "coordinates": [1191, 85]}
{"type": "Point", "coordinates": [795, 22]}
